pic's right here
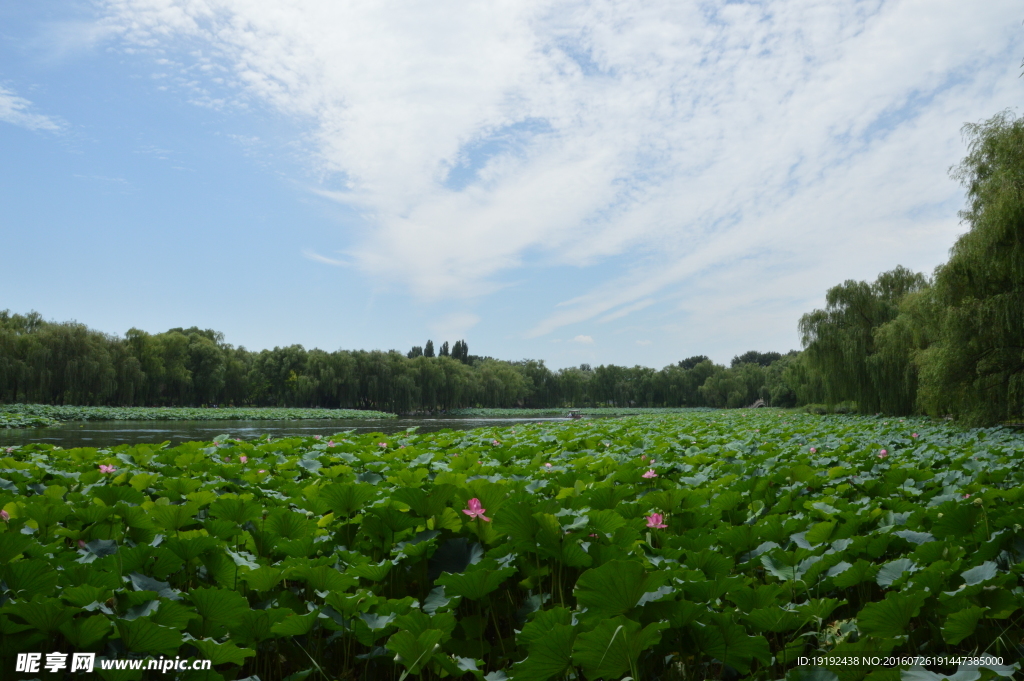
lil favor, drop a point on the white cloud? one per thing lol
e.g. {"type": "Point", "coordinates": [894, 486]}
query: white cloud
{"type": "Point", "coordinates": [16, 110]}
{"type": "Point", "coordinates": [316, 257]}
{"type": "Point", "coordinates": [643, 342]}
{"type": "Point", "coordinates": [585, 340]}
{"type": "Point", "coordinates": [742, 157]}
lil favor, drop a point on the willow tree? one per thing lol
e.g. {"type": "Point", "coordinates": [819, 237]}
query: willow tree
{"type": "Point", "coordinates": [975, 369]}
{"type": "Point", "coordinates": [842, 343]}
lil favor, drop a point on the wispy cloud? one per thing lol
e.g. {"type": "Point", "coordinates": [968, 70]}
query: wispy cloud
{"type": "Point", "coordinates": [316, 257]}
{"type": "Point", "coordinates": [17, 111]}
{"type": "Point", "coordinates": [585, 340]}
{"type": "Point", "coordinates": [454, 326]}
{"type": "Point", "coordinates": [729, 158]}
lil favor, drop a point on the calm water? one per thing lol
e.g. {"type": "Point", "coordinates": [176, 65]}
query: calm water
{"type": "Point", "coordinates": [107, 433]}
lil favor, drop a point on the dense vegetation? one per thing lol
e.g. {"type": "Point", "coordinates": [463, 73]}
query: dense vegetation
{"type": "Point", "coordinates": [28, 415]}
{"type": "Point", "coordinates": [952, 343]}
{"type": "Point", "coordinates": [585, 411]}
{"type": "Point", "coordinates": [697, 546]}
{"type": "Point", "coordinates": [68, 363]}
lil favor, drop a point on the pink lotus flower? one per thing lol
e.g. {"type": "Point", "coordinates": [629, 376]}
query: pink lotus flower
{"type": "Point", "coordinates": [106, 469]}
{"type": "Point", "coordinates": [227, 458]}
{"type": "Point", "coordinates": [475, 510]}
{"type": "Point", "coordinates": [882, 454]}
{"type": "Point", "coordinates": [318, 437]}
{"type": "Point", "coordinates": [547, 465]}
{"type": "Point", "coordinates": [382, 445]}
{"type": "Point", "coordinates": [814, 450]}
{"type": "Point", "coordinates": [10, 450]}
{"type": "Point", "coordinates": [263, 470]}
{"type": "Point", "coordinates": [913, 435]}
{"type": "Point", "coordinates": [967, 496]}
{"type": "Point", "coordinates": [243, 458]}
{"type": "Point", "coordinates": [649, 474]}
{"type": "Point", "coordinates": [654, 520]}
{"type": "Point", "coordinates": [4, 515]}
{"type": "Point", "coordinates": [643, 457]}
{"type": "Point", "coordinates": [330, 443]}
{"type": "Point", "coordinates": [495, 443]}
{"type": "Point", "coordinates": [81, 544]}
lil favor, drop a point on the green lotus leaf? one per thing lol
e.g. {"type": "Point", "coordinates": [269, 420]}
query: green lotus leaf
{"type": "Point", "coordinates": [613, 647]}
{"type": "Point", "coordinates": [413, 652]}
{"type": "Point", "coordinates": [237, 510]}
{"type": "Point", "coordinates": [45, 614]}
{"type": "Point", "coordinates": [731, 644]}
{"type": "Point", "coordinates": [615, 587]}
{"type": "Point", "coordinates": [889, 618]}
{"type": "Point", "coordinates": [193, 547]}
{"type": "Point", "coordinates": [549, 653]}
{"type": "Point", "coordinates": [142, 636]}
{"type": "Point", "coordinates": [28, 578]}
{"type": "Point", "coordinates": [893, 570]}
{"type": "Point", "coordinates": [174, 517]}
{"type": "Point", "coordinates": [263, 579]}
{"type": "Point", "coordinates": [961, 624]}
{"type": "Point", "coordinates": [255, 626]}
{"type": "Point", "coordinates": [346, 499]}
{"type": "Point", "coordinates": [222, 653]}
{"type": "Point", "coordinates": [85, 632]}
{"type": "Point", "coordinates": [220, 606]}
{"type": "Point", "coordinates": [12, 544]}
{"type": "Point", "coordinates": [475, 584]}
{"type": "Point", "coordinates": [980, 573]}
{"type": "Point", "coordinates": [295, 625]}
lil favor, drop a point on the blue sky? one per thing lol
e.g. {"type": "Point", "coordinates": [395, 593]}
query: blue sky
{"type": "Point", "coordinates": [601, 182]}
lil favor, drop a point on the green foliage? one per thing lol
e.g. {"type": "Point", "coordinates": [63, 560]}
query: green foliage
{"type": "Point", "coordinates": [45, 414]}
{"type": "Point", "coordinates": [974, 367]}
{"type": "Point", "coordinates": [853, 344]}
{"type": "Point", "coordinates": [786, 535]}
{"type": "Point", "coordinates": [194, 366]}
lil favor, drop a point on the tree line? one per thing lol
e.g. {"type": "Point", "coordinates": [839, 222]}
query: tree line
{"type": "Point", "coordinates": [950, 343]}
{"type": "Point", "coordinates": [947, 344]}
{"type": "Point", "coordinates": [69, 363]}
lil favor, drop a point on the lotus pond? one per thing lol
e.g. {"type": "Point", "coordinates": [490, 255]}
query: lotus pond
{"type": "Point", "coordinates": [707, 545]}
{"type": "Point", "coordinates": [40, 415]}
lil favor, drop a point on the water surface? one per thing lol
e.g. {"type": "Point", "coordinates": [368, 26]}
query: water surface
{"type": "Point", "coordinates": [108, 433]}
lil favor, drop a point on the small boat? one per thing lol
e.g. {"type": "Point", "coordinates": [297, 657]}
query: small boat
{"type": "Point", "coordinates": [575, 414]}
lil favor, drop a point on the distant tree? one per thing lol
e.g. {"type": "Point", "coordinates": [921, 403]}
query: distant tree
{"type": "Point", "coordinates": [691, 362]}
{"type": "Point", "coordinates": [444, 350]}
{"type": "Point", "coordinates": [842, 343]}
{"type": "Point", "coordinates": [428, 349]}
{"type": "Point", "coordinates": [975, 368]}
{"type": "Point", "coordinates": [417, 351]}
{"type": "Point", "coordinates": [754, 357]}
{"type": "Point", "coordinates": [215, 336]}
{"type": "Point", "coordinates": [460, 351]}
